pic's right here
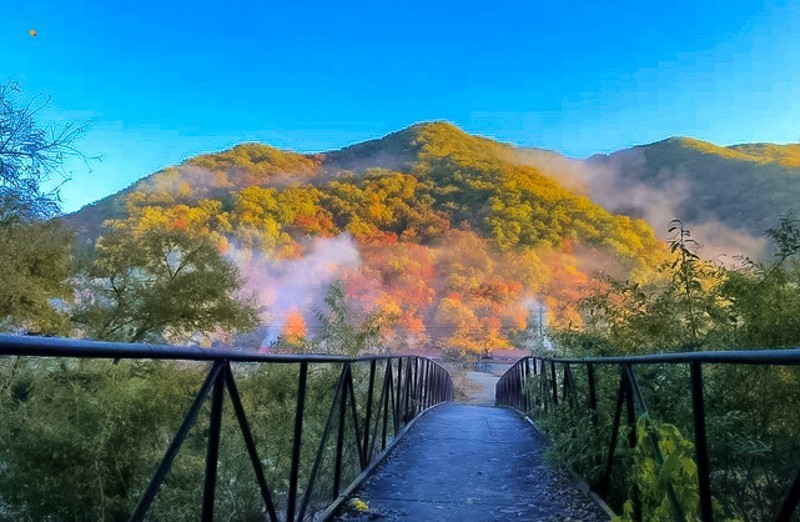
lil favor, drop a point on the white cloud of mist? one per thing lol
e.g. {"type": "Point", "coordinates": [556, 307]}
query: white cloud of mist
{"type": "Point", "coordinates": [658, 203]}
{"type": "Point", "coordinates": [295, 284]}
{"type": "Point", "coordinates": [723, 243]}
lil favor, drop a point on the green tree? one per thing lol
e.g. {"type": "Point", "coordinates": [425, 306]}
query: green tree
{"type": "Point", "coordinates": [34, 255]}
{"type": "Point", "coordinates": [343, 331]}
{"type": "Point", "coordinates": [160, 284]}
{"type": "Point", "coordinates": [36, 264]}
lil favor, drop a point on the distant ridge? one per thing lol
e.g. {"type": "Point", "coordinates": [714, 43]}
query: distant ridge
{"type": "Point", "coordinates": [744, 186]}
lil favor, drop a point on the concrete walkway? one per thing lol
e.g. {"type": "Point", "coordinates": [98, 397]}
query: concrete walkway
{"type": "Point", "coordinates": [471, 463]}
{"type": "Point", "coordinates": [480, 388]}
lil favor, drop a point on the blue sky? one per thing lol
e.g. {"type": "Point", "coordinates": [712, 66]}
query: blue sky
{"type": "Point", "coordinates": [162, 81]}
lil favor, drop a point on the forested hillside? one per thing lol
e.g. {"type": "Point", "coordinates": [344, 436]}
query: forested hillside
{"type": "Point", "coordinates": [457, 244]}
{"type": "Point", "coordinates": [726, 193]}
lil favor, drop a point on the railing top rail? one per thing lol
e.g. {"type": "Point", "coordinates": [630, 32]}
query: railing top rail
{"type": "Point", "coordinates": [78, 348]}
{"type": "Point", "coordinates": [788, 357]}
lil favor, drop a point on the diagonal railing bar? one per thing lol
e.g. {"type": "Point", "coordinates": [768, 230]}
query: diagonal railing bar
{"type": "Point", "coordinates": [337, 469]}
{"type": "Point", "coordinates": [212, 453]}
{"type": "Point", "coordinates": [250, 443]}
{"type": "Point", "coordinates": [614, 434]}
{"type": "Point", "coordinates": [389, 396]}
{"type": "Point", "coordinates": [630, 409]}
{"type": "Point", "coordinates": [356, 427]}
{"type": "Point", "coordinates": [398, 404]}
{"type": "Point", "coordinates": [383, 405]}
{"type": "Point", "coordinates": [368, 413]}
{"type": "Point", "coordinates": [569, 387]}
{"type": "Point", "coordinates": [297, 442]}
{"type": "Point", "coordinates": [163, 468]}
{"type": "Point", "coordinates": [546, 393]}
{"type": "Point", "coordinates": [323, 443]}
{"type": "Point", "coordinates": [406, 393]}
{"type": "Point", "coordinates": [659, 458]}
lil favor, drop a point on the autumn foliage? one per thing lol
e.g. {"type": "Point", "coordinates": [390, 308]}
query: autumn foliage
{"type": "Point", "coordinates": [457, 239]}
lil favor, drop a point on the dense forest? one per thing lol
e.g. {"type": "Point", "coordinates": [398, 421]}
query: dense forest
{"type": "Point", "coordinates": [458, 246]}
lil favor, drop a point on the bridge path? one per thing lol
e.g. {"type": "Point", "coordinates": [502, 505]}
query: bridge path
{"type": "Point", "coordinates": [472, 463]}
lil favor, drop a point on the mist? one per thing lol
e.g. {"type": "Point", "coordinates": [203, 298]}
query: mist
{"type": "Point", "coordinates": [658, 203]}
{"type": "Point", "coordinates": [292, 285]}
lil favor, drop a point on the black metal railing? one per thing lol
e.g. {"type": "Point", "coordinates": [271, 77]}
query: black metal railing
{"type": "Point", "coordinates": [376, 397]}
{"type": "Point", "coordinates": [542, 387]}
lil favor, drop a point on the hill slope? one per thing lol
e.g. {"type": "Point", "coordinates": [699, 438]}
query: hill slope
{"type": "Point", "coordinates": [449, 234]}
{"type": "Point", "coordinates": [463, 179]}
{"type": "Point", "coordinates": [740, 187]}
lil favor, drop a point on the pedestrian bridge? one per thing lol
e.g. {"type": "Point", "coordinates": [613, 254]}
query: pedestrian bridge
{"type": "Point", "coordinates": [315, 437]}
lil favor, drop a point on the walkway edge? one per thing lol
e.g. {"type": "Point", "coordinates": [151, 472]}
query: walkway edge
{"type": "Point", "coordinates": [364, 475]}
{"type": "Point", "coordinates": [576, 478]}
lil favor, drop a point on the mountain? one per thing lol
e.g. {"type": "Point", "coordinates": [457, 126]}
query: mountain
{"type": "Point", "coordinates": [458, 238]}
{"type": "Point", "coordinates": [463, 179]}
{"type": "Point", "coordinates": [730, 193]}
{"type": "Point", "coordinates": [463, 240]}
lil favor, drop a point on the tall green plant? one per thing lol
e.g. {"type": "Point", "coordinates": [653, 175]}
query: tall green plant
{"type": "Point", "coordinates": [345, 332]}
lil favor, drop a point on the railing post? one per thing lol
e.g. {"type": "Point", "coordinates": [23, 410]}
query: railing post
{"type": "Point", "coordinates": [420, 374]}
{"type": "Point", "coordinates": [354, 413]}
{"type": "Point", "coordinates": [430, 376]}
{"type": "Point", "coordinates": [535, 399]}
{"type": "Point", "coordinates": [700, 441]}
{"type": "Point", "coordinates": [592, 394]}
{"type": "Point", "coordinates": [439, 384]}
{"type": "Point", "coordinates": [412, 388]}
{"type": "Point", "coordinates": [337, 467]}
{"type": "Point", "coordinates": [632, 435]}
{"type": "Point", "coordinates": [593, 409]}
{"type": "Point", "coordinates": [525, 391]}
{"type": "Point", "coordinates": [388, 385]}
{"type": "Point", "coordinates": [297, 442]}
{"type": "Point", "coordinates": [407, 393]}
{"type": "Point", "coordinates": [212, 453]}
{"type": "Point", "coordinates": [614, 433]}
{"type": "Point", "coordinates": [513, 383]}
{"type": "Point", "coordinates": [368, 413]}
{"type": "Point", "coordinates": [555, 383]}
{"type": "Point", "coordinates": [398, 419]}
{"type": "Point", "coordinates": [423, 368]}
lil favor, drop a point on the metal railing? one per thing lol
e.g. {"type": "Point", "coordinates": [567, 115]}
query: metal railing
{"type": "Point", "coordinates": [539, 386]}
{"type": "Point", "coordinates": [409, 386]}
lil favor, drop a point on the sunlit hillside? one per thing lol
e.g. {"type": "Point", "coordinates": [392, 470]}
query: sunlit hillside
{"type": "Point", "coordinates": [453, 240]}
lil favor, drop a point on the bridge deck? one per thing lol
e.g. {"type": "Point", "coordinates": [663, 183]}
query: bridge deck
{"type": "Point", "coordinates": [470, 463]}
